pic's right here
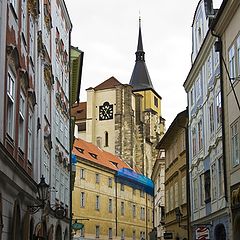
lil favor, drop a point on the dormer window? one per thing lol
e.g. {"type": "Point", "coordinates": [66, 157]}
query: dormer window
{"type": "Point", "coordinates": [93, 155]}
{"type": "Point", "coordinates": [80, 149]}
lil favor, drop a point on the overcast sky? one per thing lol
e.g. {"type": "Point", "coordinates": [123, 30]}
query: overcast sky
{"type": "Point", "coordinates": [107, 32]}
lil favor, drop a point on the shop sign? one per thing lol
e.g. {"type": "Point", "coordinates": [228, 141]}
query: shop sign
{"type": "Point", "coordinates": [168, 235]}
{"type": "Point", "coordinates": [202, 233]}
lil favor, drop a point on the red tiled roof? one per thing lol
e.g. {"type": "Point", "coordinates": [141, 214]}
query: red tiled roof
{"type": "Point", "coordinates": [79, 110]}
{"type": "Point", "coordinates": [112, 82]}
{"type": "Point", "coordinates": [88, 151]}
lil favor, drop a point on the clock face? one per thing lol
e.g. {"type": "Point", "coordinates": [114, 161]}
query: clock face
{"type": "Point", "coordinates": [106, 111]}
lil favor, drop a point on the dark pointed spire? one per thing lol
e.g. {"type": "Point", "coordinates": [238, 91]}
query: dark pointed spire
{"type": "Point", "coordinates": [140, 79]}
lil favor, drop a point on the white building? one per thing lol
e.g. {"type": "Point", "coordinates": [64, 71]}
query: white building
{"type": "Point", "coordinates": [34, 117]}
{"type": "Point", "coordinates": [206, 159]}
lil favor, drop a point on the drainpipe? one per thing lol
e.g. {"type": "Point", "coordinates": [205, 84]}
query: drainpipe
{"type": "Point", "coordinates": [116, 215]}
{"type": "Point", "coordinates": [218, 48]}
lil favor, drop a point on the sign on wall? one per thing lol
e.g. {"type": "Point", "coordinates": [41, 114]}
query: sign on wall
{"type": "Point", "coordinates": [202, 233]}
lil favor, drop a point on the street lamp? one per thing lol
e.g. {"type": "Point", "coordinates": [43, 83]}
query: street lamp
{"type": "Point", "coordinates": [42, 191]}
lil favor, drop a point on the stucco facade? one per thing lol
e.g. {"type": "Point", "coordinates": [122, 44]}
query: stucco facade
{"type": "Point", "coordinates": [173, 144]}
{"type": "Point", "coordinates": [34, 54]}
{"type": "Point", "coordinates": [109, 206]}
{"type": "Point", "coordinates": [208, 200]}
{"type": "Point", "coordinates": [227, 28]}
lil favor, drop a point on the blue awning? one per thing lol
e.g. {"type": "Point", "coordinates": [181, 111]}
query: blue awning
{"type": "Point", "coordinates": [136, 180]}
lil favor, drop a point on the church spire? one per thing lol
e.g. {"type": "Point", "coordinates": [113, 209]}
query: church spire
{"type": "Point", "coordinates": [140, 78]}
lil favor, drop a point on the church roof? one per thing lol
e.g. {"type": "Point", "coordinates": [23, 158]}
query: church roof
{"type": "Point", "coordinates": [112, 82]}
{"type": "Point", "coordinates": [140, 79]}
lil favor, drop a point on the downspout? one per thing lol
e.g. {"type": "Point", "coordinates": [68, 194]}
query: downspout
{"type": "Point", "coordinates": [116, 215]}
{"type": "Point", "coordinates": [146, 219]}
{"type": "Point", "coordinates": [70, 140]}
{"type": "Point", "coordinates": [218, 48]}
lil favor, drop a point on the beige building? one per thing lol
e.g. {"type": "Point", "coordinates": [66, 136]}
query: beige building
{"type": "Point", "coordinates": [227, 27]}
{"type": "Point", "coordinates": [124, 119]}
{"type": "Point", "coordinates": [110, 199]}
{"type": "Point", "coordinates": [158, 177]}
{"type": "Point", "coordinates": [174, 145]}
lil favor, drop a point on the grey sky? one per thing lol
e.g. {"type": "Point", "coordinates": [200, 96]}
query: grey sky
{"type": "Point", "coordinates": [107, 32]}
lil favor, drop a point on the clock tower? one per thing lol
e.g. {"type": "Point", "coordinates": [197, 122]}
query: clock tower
{"type": "Point", "coordinates": [125, 119]}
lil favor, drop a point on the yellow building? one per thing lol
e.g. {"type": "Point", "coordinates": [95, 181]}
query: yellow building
{"type": "Point", "coordinates": [174, 145]}
{"type": "Point", "coordinates": [109, 198]}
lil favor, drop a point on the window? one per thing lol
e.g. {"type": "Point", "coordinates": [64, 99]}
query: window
{"type": "Point", "coordinates": [97, 178]}
{"type": "Point", "coordinates": [110, 205]}
{"type": "Point", "coordinates": [142, 235]}
{"type": "Point", "coordinates": [122, 234]}
{"type": "Point", "coordinates": [97, 231]}
{"type": "Point", "coordinates": [202, 190]}
{"type": "Point", "coordinates": [122, 187]}
{"type": "Point", "coordinates": [21, 132]}
{"type": "Point", "coordinates": [24, 18]}
{"type": "Point", "coordinates": [167, 201]}
{"type": "Point", "coordinates": [82, 200]}
{"type": "Point", "coordinates": [57, 182]}
{"type": "Point", "coordinates": [184, 193]}
{"type": "Point", "coordinates": [235, 143]}
{"type": "Point", "coordinates": [211, 119]}
{"type": "Point", "coordinates": [207, 183]}
{"type": "Point", "coordinates": [106, 139]}
{"type": "Point", "coordinates": [134, 235]}
{"type": "Point", "coordinates": [198, 88]}
{"type": "Point", "coordinates": [142, 213]}
{"type": "Point", "coordinates": [238, 55]}
{"type": "Point", "coordinates": [195, 194]}
{"type": "Point", "coordinates": [214, 181]}
{"type": "Point", "coordinates": [110, 182]}
{"type": "Point", "coordinates": [134, 191]}
{"type": "Point", "coordinates": [30, 136]}
{"type": "Point", "coordinates": [31, 37]}
{"type": "Point", "coordinates": [200, 134]}
{"type": "Point", "coordinates": [176, 194]}
{"type": "Point", "coordinates": [141, 193]}
{"type": "Point", "coordinates": [82, 173]}
{"type": "Point", "coordinates": [10, 103]}
{"type": "Point", "coordinates": [155, 101]}
{"type": "Point", "coordinates": [110, 233]}
{"type": "Point", "coordinates": [134, 210]}
{"type": "Point", "coordinates": [14, 4]}
{"type": "Point", "coordinates": [209, 67]}
{"type": "Point", "coordinates": [220, 176]}
{"type": "Point", "coordinates": [122, 208]}
{"type": "Point", "coordinates": [192, 97]}
{"type": "Point", "coordinates": [232, 70]}
{"type": "Point", "coordinates": [97, 203]}
{"type": "Point", "coordinates": [171, 198]}
{"type": "Point", "coordinates": [99, 141]}
{"type": "Point", "coordinates": [194, 142]}
{"type": "Point", "coordinates": [219, 109]}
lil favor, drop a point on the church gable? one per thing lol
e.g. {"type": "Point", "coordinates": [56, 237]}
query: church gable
{"type": "Point", "coordinates": [112, 82]}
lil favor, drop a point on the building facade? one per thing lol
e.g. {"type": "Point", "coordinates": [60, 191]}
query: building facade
{"type": "Point", "coordinates": [173, 144]}
{"type": "Point", "coordinates": [125, 119]}
{"type": "Point", "coordinates": [158, 177]}
{"type": "Point", "coordinates": [227, 29]}
{"type": "Point", "coordinates": [110, 199]}
{"type": "Point", "coordinates": [35, 40]}
{"type": "Point", "coordinates": [208, 203]}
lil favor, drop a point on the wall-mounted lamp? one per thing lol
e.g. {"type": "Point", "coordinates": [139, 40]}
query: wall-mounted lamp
{"type": "Point", "coordinates": [42, 191]}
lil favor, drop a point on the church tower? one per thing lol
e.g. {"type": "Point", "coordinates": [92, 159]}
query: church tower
{"type": "Point", "coordinates": [149, 122]}
{"type": "Point", "coordinates": [124, 119]}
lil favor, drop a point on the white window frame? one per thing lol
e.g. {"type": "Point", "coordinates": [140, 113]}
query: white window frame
{"type": "Point", "coordinates": [22, 122]}
{"type": "Point", "coordinates": [30, 136]}
{"type": "Point", "coordinates": [11, 101]}
{"type": "Point", "coordinates": [231, 62]}
{"type": "Point", "coordinates": [82, 199]}
{"type": "Point", "coordinates": [219, 109]}
{"type": "Point", "coordinates": [235, 143]}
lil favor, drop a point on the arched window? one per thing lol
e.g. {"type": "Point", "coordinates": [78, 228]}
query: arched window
{"type": "Point", "coordinates": [106, 139]}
